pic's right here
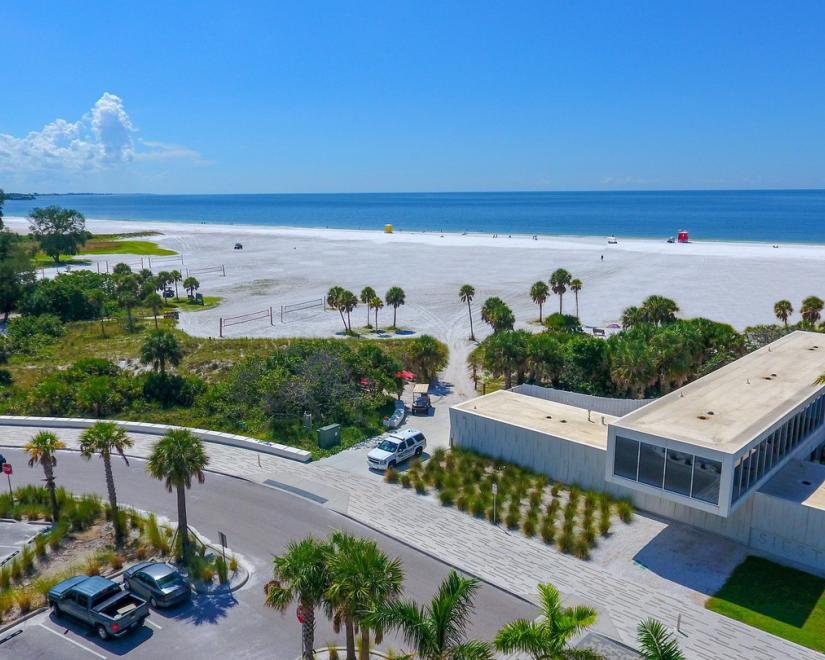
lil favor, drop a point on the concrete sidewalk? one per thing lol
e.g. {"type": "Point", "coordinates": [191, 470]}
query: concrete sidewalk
{"type": "Point", "coordinates": [510, 561]}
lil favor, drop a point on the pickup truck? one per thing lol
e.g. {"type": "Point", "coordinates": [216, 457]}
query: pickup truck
{"type": "Point", "coordinates": [99, 603]}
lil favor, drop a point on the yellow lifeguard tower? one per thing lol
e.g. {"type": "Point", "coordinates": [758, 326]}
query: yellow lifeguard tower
{"type": "Point", "coordinates": [388, 229]}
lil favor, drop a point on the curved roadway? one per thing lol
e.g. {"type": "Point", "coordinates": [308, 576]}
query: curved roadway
{"type": "Point", "coordinates": [259, 522]}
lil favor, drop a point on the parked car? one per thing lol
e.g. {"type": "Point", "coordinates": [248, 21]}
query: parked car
{"type": "Point", "coordinates": [396, 447]}
{"type": "Point", "coordinates": [160, 584]}
{"type": "Point", "coordinates": [99, 603]}
{"type": "Point", "coordinates": [238, 246]}
{"type": "Point", "coordinates": [421, 404]}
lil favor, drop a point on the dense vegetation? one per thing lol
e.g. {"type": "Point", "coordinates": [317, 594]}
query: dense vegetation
{"type": "Point", "coordinates": [259, 387]}
{"type": "Point", "coordinates": [655, 352]}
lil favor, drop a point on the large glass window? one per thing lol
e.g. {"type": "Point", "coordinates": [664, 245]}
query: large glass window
{"type": "Point", "coordinates": [678, 470]}
{"type": "Point", "coordinates": [707, 475]}
{"type": "Point", "coordinates": [626, 458]}
{"type": "Point", "coordinates": [651, 464]}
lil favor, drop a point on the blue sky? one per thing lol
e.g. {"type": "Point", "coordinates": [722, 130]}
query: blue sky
{"type": "Point", "coordinates": [411, 96]}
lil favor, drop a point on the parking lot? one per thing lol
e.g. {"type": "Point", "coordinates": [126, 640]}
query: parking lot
{"type": "Point", "coordinates": [15, 534]}
{"type": "Point", "coordinates": [165, 634]}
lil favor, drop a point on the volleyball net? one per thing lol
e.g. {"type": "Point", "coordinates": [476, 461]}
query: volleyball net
{"type": "Point", "coordinates": [315, 303]}
{"type": "Point", "coordinates": [229, 321]}
{"type": "Point", "coordinates": [221, 270]}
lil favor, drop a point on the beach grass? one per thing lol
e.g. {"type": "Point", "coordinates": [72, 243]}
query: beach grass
{"type": "Point", "coordinates": [780, 600]}
{"type": "Point", "coordinates": [98, 245]}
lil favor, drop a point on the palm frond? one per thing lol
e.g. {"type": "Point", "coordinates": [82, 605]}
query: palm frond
{"type": "Point", "coordinates": [472, 650]}
{"type": "Point", "coordinates": [657, 642]}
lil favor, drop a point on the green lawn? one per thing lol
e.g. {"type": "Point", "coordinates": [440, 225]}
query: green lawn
{"type": "Point", "coordinates": [185, 306]}
{"type": "Point", "coordinates": [780, 600]}
{"type": "Point", "coordinates": [141, 248]}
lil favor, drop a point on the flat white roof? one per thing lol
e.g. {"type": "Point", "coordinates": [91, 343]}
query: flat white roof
{"type": "Point", "coordinates": [729, 407]}
{"type": "Point", "coordinates": [556, 419]}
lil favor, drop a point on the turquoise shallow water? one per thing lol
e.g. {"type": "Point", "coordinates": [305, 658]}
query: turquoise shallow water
{"type": "Point", "coordinates": [772, 216]}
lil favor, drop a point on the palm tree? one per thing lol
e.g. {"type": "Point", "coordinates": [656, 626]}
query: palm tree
{"type": "Point", "coordinates": [657, 642]}
{"type": "Point", "coordinates": [155, 302]}
{"type": "Point", "coordinates": [506, 352]}
{"type": "Point", "coordinates": [811, 310]}
{"type": "Point", "coordinates": [300, 575]}
{"type": "Point", "coordinates": [497, 314]}
{"type": "Point", "coordinates": [558, 282]}
{"type": "Point", "coordinates": [538, 293]}
{"type": "Point", "coordinates": [575, 287]}
{"type": "Point", "coordinates": [367, 294]}
{"type": "Point", "coordinates": [659, 310]}
{"type": "Point", "coordinates": [466, 294]}
{"type": "Point", "coordinates": [361, 578]}
{"type": "Point", "coordinates": [175, 277]}
{"type": "Point", "coordinates": [176, 458]}
{"type": "Point", "coordinates": [548, 638]}
{"type": "Point", "coordinates": [334, 300]}
{"type": "Point", "coordinates": [437, 630]}
{"type": "Point", "coordinates": [102, 438]}
{"type": "Point", "coordinates": [631, 366]}
{"type": "Point", "coordinates": [161, 348]}
{"type": "Point", "coordinates": [348, 302]}
{"type": "Point", "coordinates": [427, 356]}
{"type": "Point", "coordinates": [42, 449]}
{"type": "Point", "coordinates": [783, 310]}
{"type": "Point", "coordinates": [632, 317]}
{"type": "Point", "coordinates": [395, 298]}
{"type": "Point", "coordinates": [96, 394]}
{"type": "Point", "coordinates": [376, 304]}
{"type": "Point", "coordinates": [127, 288]}
{"type": "Point", "coordinates": [191, 284]}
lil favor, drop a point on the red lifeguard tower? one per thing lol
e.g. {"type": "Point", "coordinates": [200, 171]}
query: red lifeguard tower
{"type": "Point", "coordinates": [682, 236]}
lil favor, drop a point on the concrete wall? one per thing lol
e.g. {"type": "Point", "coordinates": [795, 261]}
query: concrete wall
{"type": "Point", "coordinates": [159, 429]}
{"type": "Point", "coordinates": [599, 404]}
{"type": "Point", "coordinates": [789, 530]}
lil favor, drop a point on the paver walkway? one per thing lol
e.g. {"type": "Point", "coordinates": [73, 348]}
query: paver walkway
{"type": "Point", "coordinates": [507, 560]}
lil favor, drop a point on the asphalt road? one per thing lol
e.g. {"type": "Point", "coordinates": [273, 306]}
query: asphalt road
{"type": "Point", "coordinates": [258, 522]}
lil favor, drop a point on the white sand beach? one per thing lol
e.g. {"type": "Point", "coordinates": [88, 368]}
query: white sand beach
{"type": "Point", "coordinates": [732, 282]}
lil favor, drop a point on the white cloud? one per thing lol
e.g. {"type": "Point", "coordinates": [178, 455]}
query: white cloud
{"type": "Point", "coordinates": [102, 139]}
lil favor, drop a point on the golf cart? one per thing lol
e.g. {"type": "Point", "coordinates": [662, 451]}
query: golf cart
{"type": "Point", "coordinates": [421, 399]}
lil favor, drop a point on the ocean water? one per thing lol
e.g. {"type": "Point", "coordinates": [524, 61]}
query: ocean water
{"type": "Point", "coordinates": [771, 216]}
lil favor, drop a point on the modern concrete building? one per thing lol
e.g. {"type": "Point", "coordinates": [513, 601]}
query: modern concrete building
{"type": "Point", "coordinates": [737, 452]}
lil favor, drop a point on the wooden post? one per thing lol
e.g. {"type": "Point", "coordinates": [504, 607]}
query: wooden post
{"type": "Point", "coordinates": [220, 331]}
{"type": "Point", "coordinates": [270, 315]}
{"type": "Point", "coordinates": [223, 270]}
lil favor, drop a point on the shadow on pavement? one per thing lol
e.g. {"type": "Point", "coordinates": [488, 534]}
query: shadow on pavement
{"type": "Point", "coordinates": [120, 646]}
{"type": "Point", "coordinates": [200, 609]}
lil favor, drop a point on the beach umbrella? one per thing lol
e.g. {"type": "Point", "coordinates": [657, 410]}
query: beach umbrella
{"type": "Point", "coordinates": [614, 326]}
{"type": "Point", "coordinates": [406, 375]}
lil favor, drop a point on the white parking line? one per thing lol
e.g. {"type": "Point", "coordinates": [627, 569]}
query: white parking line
{"type": "Point", "coordinates": [71, 641]}
{"type": "Point", "coordinates": [152, 623]}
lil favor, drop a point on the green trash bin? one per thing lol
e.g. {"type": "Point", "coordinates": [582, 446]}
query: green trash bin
{"type": "Point", "coordinates": [329, 436]}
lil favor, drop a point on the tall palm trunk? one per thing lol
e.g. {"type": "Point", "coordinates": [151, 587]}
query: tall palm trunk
{"type": "Point", "coordinates": [470, 312]}
{"type": "Point", "coordinates": [110, 487]}
{"type": "Point", "coordinates": [394, 313]}
{"type": "Point", "coordinates": [183, 527]}
{"type": "Point", "coordinates": [368, 314]}
{"type": "Point", "coordinates": [102, 328]}
{"type": "Point", "coordinates": [376, 318]}
{"type": "Point", "coordinates": [364, 651]}
{"type": "Point", "coordinates": [129, 316]}
{"type": "Point", "coordinates": [156, 321]}
{"type": "Point", "coordinates": [540, 306]}
{"type": "Point", "coordinates": [577, 304]}
{"type": "Point", "coordinates": [308, 631]}
{"type": "Point", "coordinates": [350, 630]}
{"type": "Point", "coordinates": [49, 472]}
{"type": "Point", "coordinates": [349, 323]}
{"type": "Point", "coordinates": [343, 320]}
{"type": "Point", "coordinates": [176, 290]}
{"type": "Point", "coordinates": [561, 298]}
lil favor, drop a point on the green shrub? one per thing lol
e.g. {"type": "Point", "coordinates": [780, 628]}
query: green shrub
{"type": "Point", "coordinates": [489, 512]}
{"type": "Point", "coordinates": [535, 498]}
{"type": "Point", "coordinates": [625, 510]}
{"type": "Point", "coordinates": [40, 542]}
{"type": "Point", "coordinates": [57, 534]}
{"type": "Point", "coordinates": [477, 506]}
{"type": "Point", "coordinates": [548, 530]}
{"type": "Point", "coordinates": [23, 598]}
{"type": "Point", "coordinates": [420, 486]}
{"type": "Point", "coordinates": [555, 489]}
{"type": "Point", "coordinates": [581, 548]}
{"type": "Point", "coordinates": [233, 564]}
{"type": "Point", "coordinates": [16, 569]}
{"type": "Point", "coordinates": [5, 577]}
{"type": "Point", "coordinates": [462, 502]}
{"type": "Point", "coordinates": [529, 526]}
{"type": "Point", "coordinates": [332, 651]}
{"type": "Point", "coordinates": [406, 480]}
{"type": "Point", "coordinates": [438, 481]}
{"type": "Point", "coordinates": [446, 496]}
{"type": "Point", "coordinates": [512, 519]}
{"type": "Point", "coordinates": [27, 559]}
{"type": "Point", "coordinates": [566, 542]}
{"type": "Point", "coordinates": [222, 570]}
{"type": "Point", "coordinates": [604, 526]}
{"type": "Point", "coordinates": [553, 508]}
{"type": "Point", "coordinates": [589, 535]}
{"type": "Point", "coordinates": [6, 601]}
{"type": "Point", "coordinates": [391, 475]}
{"type": "Point", "coordinates": [92, 566]}
{"type": "Point", "coordinates": [569, 511]}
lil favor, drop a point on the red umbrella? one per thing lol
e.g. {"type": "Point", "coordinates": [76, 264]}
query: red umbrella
{"type": "Point", "coordinates": [406, 375]}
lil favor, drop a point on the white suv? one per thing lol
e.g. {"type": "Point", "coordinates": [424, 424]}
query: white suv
{"type": "Point", "coordinates": [397, 447]}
